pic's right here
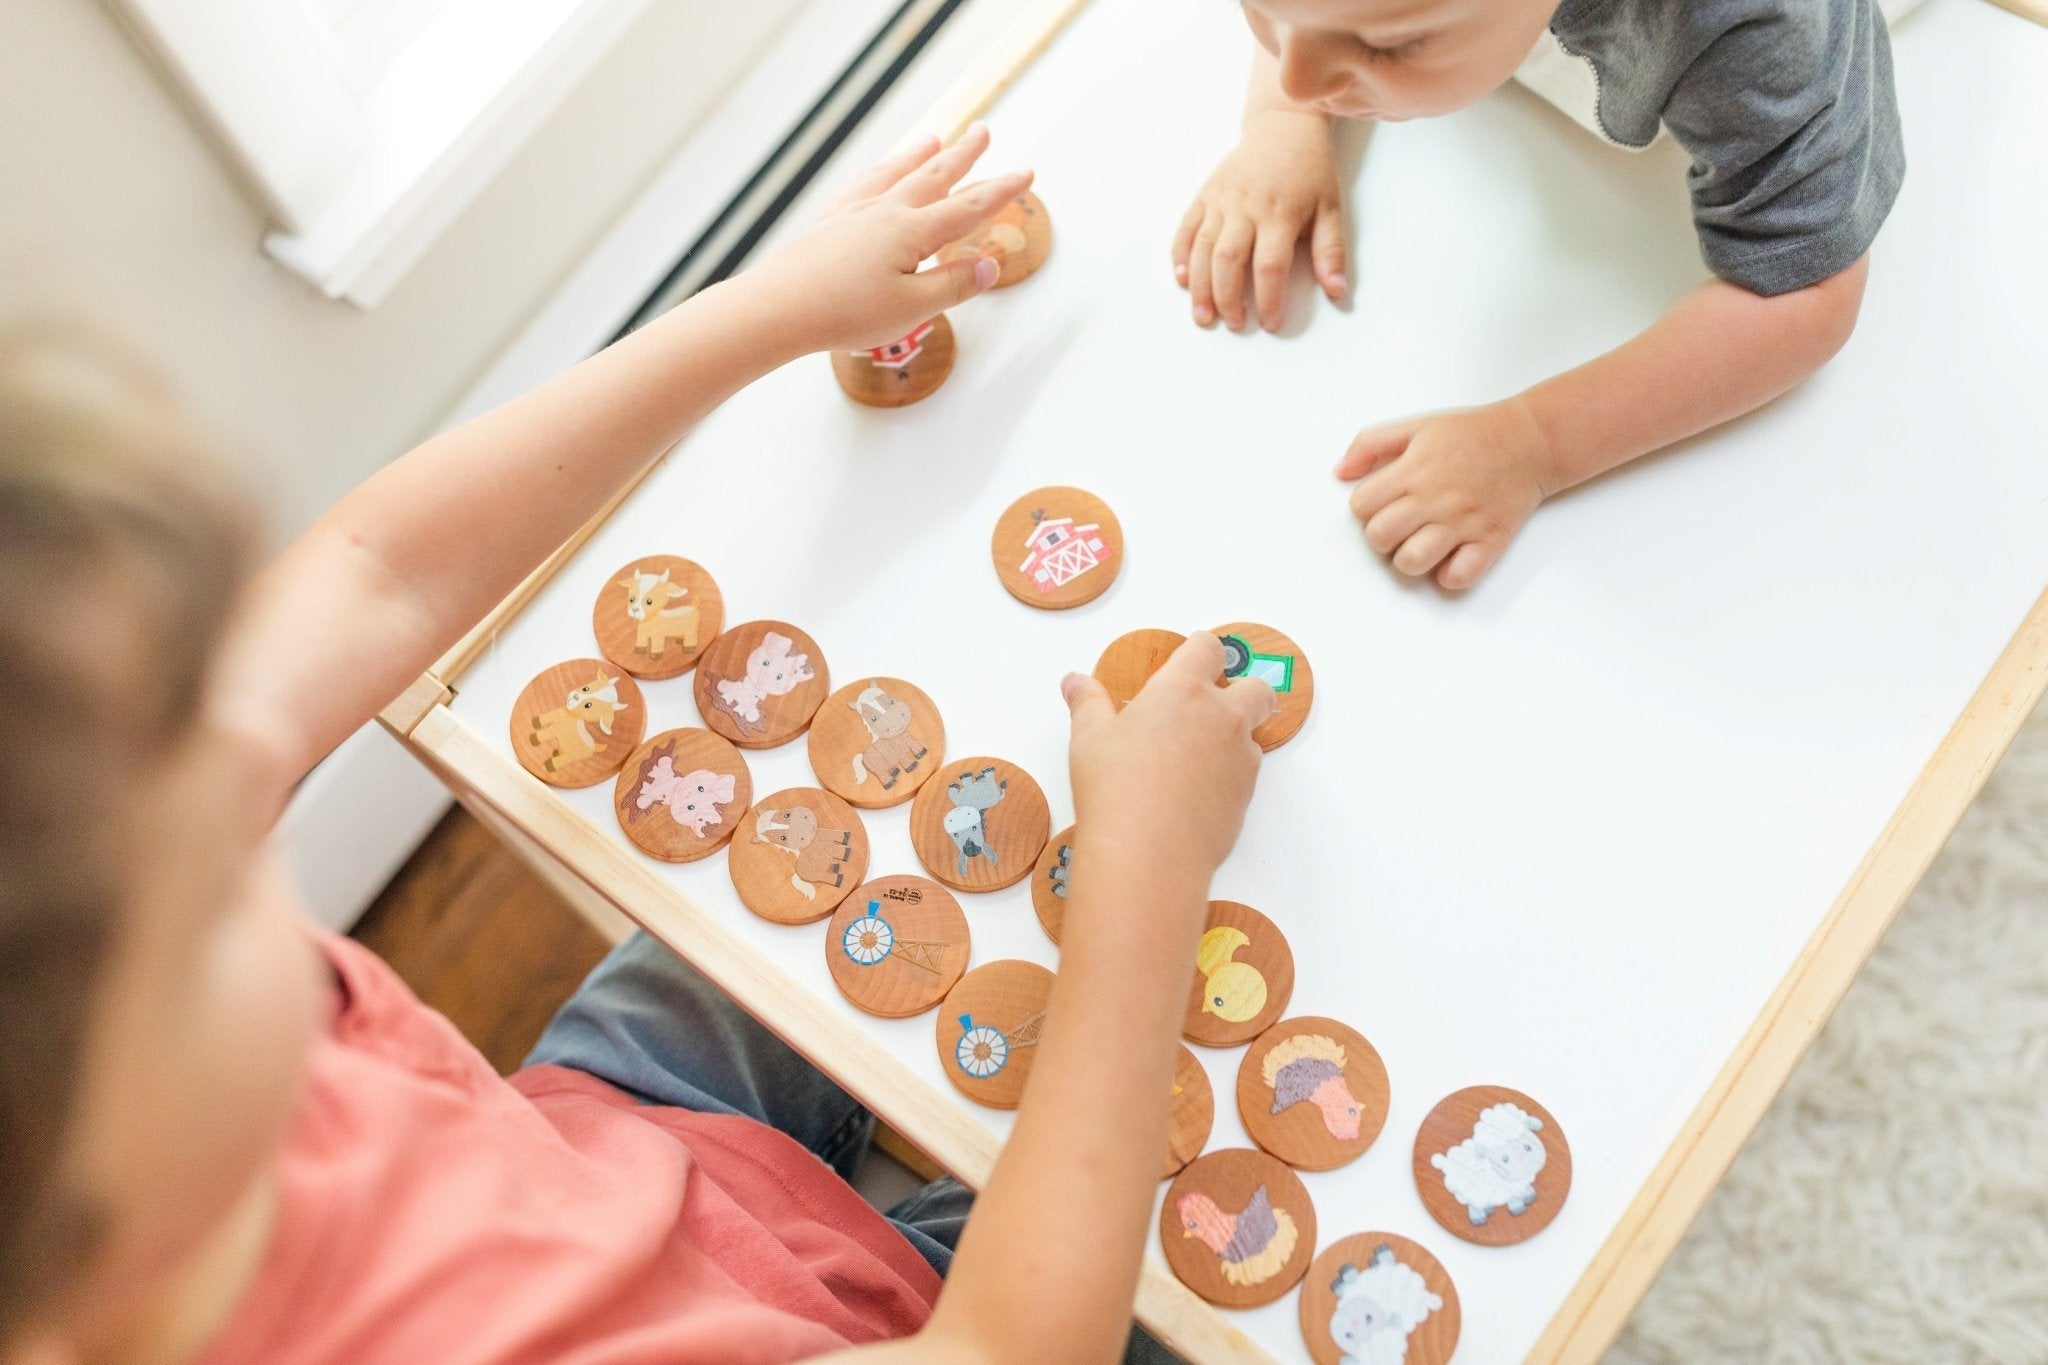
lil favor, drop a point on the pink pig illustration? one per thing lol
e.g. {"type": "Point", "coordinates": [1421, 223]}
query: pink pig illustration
{"type": "Point", "coordinates": [693, 799]}
{"type": "Point", "coordinates": [772, 671]}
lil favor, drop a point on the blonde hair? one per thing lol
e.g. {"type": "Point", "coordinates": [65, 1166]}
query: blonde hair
{"type": "Point", "coordinates": [123, 546]}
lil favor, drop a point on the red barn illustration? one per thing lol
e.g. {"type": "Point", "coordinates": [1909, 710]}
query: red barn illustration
{"type": "Point", "coordinates": [1060, 552]}
{"type": "Point", "coordinates": [897, 355]}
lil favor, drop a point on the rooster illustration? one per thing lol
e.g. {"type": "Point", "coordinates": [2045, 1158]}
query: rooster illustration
{"type": "Point", "coordinates": [1254, 1244]}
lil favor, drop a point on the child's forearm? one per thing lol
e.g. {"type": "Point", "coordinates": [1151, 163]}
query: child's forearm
{"type": "Point", "coordinates": [398, 569]}
{"type": "Point", "coordinates": [1263, 94]}
{"type": "Point", "coordinates": [1722, 351]}
{"type": "Point", "coordinates": [1067, 1210]}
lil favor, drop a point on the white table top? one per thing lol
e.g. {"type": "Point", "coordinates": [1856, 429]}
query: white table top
{"type": "Point", "coordinates": [1563, 834]}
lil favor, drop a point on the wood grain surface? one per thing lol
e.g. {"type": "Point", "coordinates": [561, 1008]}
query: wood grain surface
{"type": "Point", "coordinates": [760, 683]}
{"type": "Point", "coordinates": [680, 612]}
{"type": "Point", "coordinates": [1313, 1092]}
{"type": "Point", "coordinates": [893, 730]}
{"type": "Point", "coordinates": [897, 945]}
{"type": "Point", "coordinates": [1218, 1238]}
{"type": "Point", "coordinates": [1057, 547]}
{"type": "Point", "coordinates": [559, 723]}
{"type": "Point", "coordinates": [1426, 1333]}
{"type": "Point", "coordinates": [796, 855]}
{"type": "Point", "coordinates": [681, 795]}
{"type": "Point", "coordinates": [1503, 1148]}
{"type": "Point", "coordinates": [881, 383]}
{"type": "Point", "coordinates": [1244, 976]}
{"type": "Point", "coordinates": [1019, 237]}
{"type": "Point", "coordinates": [1049, 882]}
{"type": "Point", "coordinates": [988, 1028]}
{"type": "Point", "coordinates": [1193, 1115]}
{"type": "Point", "coordinates": [980, 824]}
{"type": "Point", "coordinates": [1275, 656]}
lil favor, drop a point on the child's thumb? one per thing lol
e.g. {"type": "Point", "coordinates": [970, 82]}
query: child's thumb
{"type": "Point", "coordinates": [958, 281]}
{"type": "Point", "coordinates": [1087, 700]}
{"type": "Point", "coordinates": [1375, 446]}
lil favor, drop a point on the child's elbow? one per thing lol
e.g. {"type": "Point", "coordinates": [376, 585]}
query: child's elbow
{"type": "Point", "coordinates": [1832, 307]}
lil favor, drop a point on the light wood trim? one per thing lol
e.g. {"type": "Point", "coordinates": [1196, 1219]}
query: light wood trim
{"type": "Point", "coordinates": [410, 707]}
{"type": "Point", "coordinates": [1600, 1304]}
{"type": "Point", "coordinates": [485, 780]}
{"type": "Point", "coordinates": [912, 1157]}
{"type": "Point", "coordinates": [2037, 10]}
{"type": "Point", "coordinates": [997, 69]}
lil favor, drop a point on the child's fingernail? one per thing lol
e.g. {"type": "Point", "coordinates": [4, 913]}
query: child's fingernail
{"type": "Point", "coordinates": [1068, 684]}
{"type": "Point", "coordinates": [1339, 283]}
{"type": "Point", "coordinates": [1180, 272]}
{"type": "Point", "coordinates": [1205, 316]}
{"type": "Point", "coordinates": [985, 271]}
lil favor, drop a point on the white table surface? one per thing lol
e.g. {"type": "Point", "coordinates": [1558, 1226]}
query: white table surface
{"type": "Point", "coordinates": [1565, 833]}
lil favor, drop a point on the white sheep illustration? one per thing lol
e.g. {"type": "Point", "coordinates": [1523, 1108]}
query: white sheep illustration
{"type": "Point", "coordinates": [1497, 1165]}
{"type": "Point", "coordinates": [1377, 1308]}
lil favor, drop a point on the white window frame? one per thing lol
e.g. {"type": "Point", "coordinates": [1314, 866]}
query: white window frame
{"type": "Point", "coordinates": [361, 181]}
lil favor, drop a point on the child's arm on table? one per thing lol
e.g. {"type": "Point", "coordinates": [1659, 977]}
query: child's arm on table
{"type": "Point", "coordinates": [396, 571]}
{"type": "Point", "coordinates": [1445, 492]}
{"type": "Point", "coordinates": [1278, 185]}
{"type": "Point", "coordinates": [1048, 1264]}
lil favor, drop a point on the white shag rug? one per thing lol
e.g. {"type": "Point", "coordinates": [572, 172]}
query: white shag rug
{"type": "Point", "coordinates": [1893, 1204]}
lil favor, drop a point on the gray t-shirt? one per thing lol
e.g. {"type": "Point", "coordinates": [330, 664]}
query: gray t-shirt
{"type": "Point", "coordinates": [1786, 107]}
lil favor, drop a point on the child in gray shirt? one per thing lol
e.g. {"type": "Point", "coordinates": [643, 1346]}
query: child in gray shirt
{"type": "Point", "coordinates": [1787, 111]}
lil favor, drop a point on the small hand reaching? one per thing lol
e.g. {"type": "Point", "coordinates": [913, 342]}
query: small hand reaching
{"type": "Point", "coordinates": [1445, 493]}
{"type": "Point", "coordinates": [1171, 773]}
{"type": "Point", "coordinates": [852, 278]}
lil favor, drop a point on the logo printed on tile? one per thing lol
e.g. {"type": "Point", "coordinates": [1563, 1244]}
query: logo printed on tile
{"type": "Point", "coordinates": [896, 945]}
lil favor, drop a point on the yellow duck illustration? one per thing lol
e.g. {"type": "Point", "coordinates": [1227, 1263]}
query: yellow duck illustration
{"type": "Point", "coordinates": [1232, 990]}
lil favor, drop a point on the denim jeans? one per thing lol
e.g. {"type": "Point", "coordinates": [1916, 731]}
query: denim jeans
{"type": "Point", "coordinates": [648, 1023]}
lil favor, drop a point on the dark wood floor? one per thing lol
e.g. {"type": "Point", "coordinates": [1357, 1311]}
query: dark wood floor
{"type": "Point", "coordinates": [462, 889]}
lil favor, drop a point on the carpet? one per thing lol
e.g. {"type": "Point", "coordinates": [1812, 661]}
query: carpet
{"type": "Point", "coordinates": [1893, 1204]}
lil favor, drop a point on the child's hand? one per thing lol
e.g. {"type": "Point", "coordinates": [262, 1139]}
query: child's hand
{"type": "Point", "coordinates": [1278, 185]}
{"type": "Point", "coordinates": [852, 280]}
{"type": "Point", "coordinates": [1447, 492]}
{"type": "Point", "coordinates": [1166, 779]}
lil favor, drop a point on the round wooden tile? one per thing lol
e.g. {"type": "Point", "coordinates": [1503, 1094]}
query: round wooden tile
{"type": "Point", "coordinates": [1019, 237]}
{"type": "Point", "coordinates": [1238, 1228]}
{"type": "Point", "coordinates": [1312, 1092]}
{"type": "Point", "coordinates": [1192, 1116]}
{"type": "Point", "coordinates": [682, 794]}
{"type": "Point", "coordinates": [988, 1030]}
{"type": "Point", "coordinates": [1057, 547]}
{"type": "Point", "coordinates": [574, 724]}
{"type": "Point", "coordinates": [980, 824]}
{"type": "Point", "coordinates": [1244, 973]}
{"type": "Point", "coordinates": [1266, 653]}
{"type": "Point", "coordinates": [1049, 882]}
{"type": "Point", "coordinates": [1376, 1296]}
{"type": "Point", "coordinates": [1492, 1165]}
{"type": "Point", "coordinates": [656, 615]}
{"type": "Point", "coordinates": [897, 945]}
{"type": "Point", "coordinates": [875, 741]}
{"type": "Point", "coordinates": [1131, 660]}
{"type": "Point", "coordinates": [760, 683]}
{"type": "Point", "coordinates": [901, 372]}
{"type": "Point", "coordinates": [797, 854]}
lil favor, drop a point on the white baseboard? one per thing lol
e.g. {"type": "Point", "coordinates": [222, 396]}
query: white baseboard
{"type": "Point", "coordinates": [354, 821]}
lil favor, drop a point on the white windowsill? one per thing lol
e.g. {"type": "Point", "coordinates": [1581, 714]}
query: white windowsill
{"type": "Point", "coordinates": [454, 108]}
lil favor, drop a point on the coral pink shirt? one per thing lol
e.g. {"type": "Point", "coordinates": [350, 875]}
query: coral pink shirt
{"type": "Point", "coordinates": [434, 1212]}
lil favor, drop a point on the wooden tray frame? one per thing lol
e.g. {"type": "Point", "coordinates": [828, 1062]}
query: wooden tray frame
{"type": "Point", "coordinates": [604, 879]}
